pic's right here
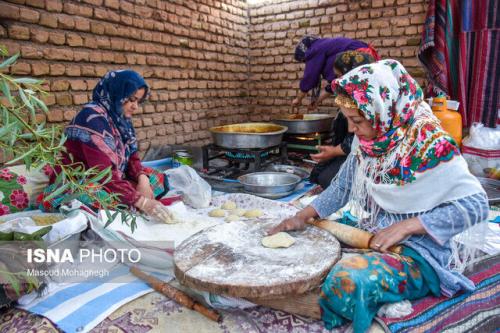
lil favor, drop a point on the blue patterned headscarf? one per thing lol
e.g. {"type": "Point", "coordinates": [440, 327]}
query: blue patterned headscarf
{"type": "Point", "coordinates": [111, 92]}
{"type": "Point", "coordinates": [302, 47]}
{"type": "Point", "coordinates": [101, 124]}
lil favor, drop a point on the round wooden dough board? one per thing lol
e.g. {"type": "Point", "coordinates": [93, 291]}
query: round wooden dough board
{"type": "Point", "coordinates": [230, 259]}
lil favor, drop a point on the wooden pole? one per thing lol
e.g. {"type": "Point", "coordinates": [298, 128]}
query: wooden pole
{"type": "Point", "coordinates": [177, 295]}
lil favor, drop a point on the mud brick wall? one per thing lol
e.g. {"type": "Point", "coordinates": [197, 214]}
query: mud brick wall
{"type": "Point", "coordinates": [208, 62]}
{"type": "Point", "coordinates": [393, 27]}
{"type": "Point", "coordinates": [193, 54]}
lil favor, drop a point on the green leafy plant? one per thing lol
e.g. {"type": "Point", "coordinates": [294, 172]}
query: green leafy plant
{"type": "Point", "coordinates": [26, 138]}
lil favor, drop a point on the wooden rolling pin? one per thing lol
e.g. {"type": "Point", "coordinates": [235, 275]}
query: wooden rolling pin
{"type": "Point", "coordinates": [351, 236]}
{"type": "Point", "coordinates": [177, 295]}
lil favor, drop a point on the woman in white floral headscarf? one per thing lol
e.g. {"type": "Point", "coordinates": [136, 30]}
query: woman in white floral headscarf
{"type": "Point", "coordinates": [408, 174]}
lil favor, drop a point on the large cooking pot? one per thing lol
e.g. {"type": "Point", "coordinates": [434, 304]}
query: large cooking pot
{"type": "Point", "coordinates": [248, 135]}
{"type": "Point", "coordinates": [307, 123]}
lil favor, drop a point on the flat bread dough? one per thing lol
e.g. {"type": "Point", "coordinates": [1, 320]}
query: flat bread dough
{"type": "Point", "coordinates": [217, 213]}
{"type": "Point", "coordinates": [232, 218]}
{"type": "Point", "coordinates": [229, 205]}
{"type": "Point", "coordinates": [281, 239]}
{"type": "Point", "coordinates": [253, 213]}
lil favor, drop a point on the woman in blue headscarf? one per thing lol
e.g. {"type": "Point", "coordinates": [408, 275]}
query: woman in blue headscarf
{"type": "Point", "coordinates": [102, 135]}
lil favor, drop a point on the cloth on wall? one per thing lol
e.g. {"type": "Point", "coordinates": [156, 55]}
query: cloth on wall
{"type": "Point", "coordinates": [460, 48]}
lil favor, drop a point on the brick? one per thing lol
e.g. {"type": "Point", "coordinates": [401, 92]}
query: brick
{"type": "Point", "coordinates": [20, 68]}
{"type": "Point", "coordinates": [54, 5]}
{"type": "Point", "coordinates": [57, 69]}
{"type": "Point", "coordinates": [74, 39]}
{"type": "Point", "coordinates": [411, 30]}
{"type": "Point", "coordinates": [377, 3]}
{"type": "Point", "coordinates": [57, 38]}
{"type": "Point", "coordinates": [40, 68]}
{"type": "Point", "coordinates": [66, 22]}
{"type": "Point", "coordinates": [39, 36]}
{"type": "Point", "coordinates": [82, 24]}
{"type": "Point", "coordinates": [417, 19]}
{"type": "Point", "coordinates": [48, 20]}
{"type": "Point", "coordinates": [81, 56]}
{"type": "Point", "coordinates": [36, 3]}
{"type": "Point", "coordinates": [69, 114]}
{"type": "Point", "coordinates": [9, 11]}
{"type": "Point", "coordinates": [112, 3]}
{"type": "Point", "coordinates": [80, 99]}
{"type": "Point", "coordinates": [31, 52]}
{"type": "Point", "coordinates": [73, 70]}
{"type": "Point", "coordinates": [29, 15]}
{"type": "Point", "coordinates": [19, 32]}
{"type": "Point", "coordinates": [55, 115]}
{"type": "Point", "coordinates": [59, 85]}
{"type": "Point", "coordinates": [58, 54]}
{"type": "Point", "coordinates": [64, 99]}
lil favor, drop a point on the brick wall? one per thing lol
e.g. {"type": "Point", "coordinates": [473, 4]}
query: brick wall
{"type": "Point", "coordinates": [393, 27]}
{"type": "Point", "coordinates": [208, 62]}
{"type": "Point", "coordinates": [192, 53]}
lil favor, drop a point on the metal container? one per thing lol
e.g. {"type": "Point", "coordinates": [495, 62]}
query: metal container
{"type": "Point", "coordinates": [269, 182]}
{"type": "Point", "coordinates": [182, 157]}
{"type": "Point", "coordinates": [307, 123]}
{"type": "Point", "coordinates": [492, 188]}
{"type": "Point", "coordinates": [248, 135]}
{"type": "Point", "coordinates": [302, 173]}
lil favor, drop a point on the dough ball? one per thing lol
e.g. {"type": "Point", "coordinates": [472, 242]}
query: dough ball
{"type": "Point", "coordinates": [253, 213]}
{"type": "Point", "coordinates": [238, 212]}
{"type": "Point", "coordinates": [281, 239]}
{"type": "Point", "coordinates": [229, 205]}
{"type": "Point", "coordinates": [217, 213]}
{"type": "Point", "coordinates": [232, 218]}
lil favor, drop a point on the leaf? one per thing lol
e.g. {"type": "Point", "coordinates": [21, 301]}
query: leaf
{"type": "Point", "coordinates": [27, 80]}
{"type": "Point", "coordinates": [41, 104]}
{"type": "Point", "coordinates": [12, 279]}
{"type": "Point", "coordinates": [6, 129]}
{"type": "Point", "coordinates": [6, 91]}
{"type": "Point", "coordinates": [27, 102]}
{"type": "Point", "coordinates": [32, 150]}
{"type": "Point", "coordinates": [60, 190]}
{"type": "Point", "coordinates": [9, 61]}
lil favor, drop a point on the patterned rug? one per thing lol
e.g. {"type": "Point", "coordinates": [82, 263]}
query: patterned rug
{"type": "Point", "coordinates": [478, 311]}
{"type": "Point", "coordinates": [155, 313]}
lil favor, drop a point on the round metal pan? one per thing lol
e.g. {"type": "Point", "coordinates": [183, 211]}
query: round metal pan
{"type": "Point", "coordinates": [307, 123]}
{"type": "Point", "coordinates": [302, 173]}
{"type": "Point", "coordinates": [492, 188]}
{"type": "Point", "coordinates": [248, 135]}
{"type": "Point", "coordinates": [269, 182]}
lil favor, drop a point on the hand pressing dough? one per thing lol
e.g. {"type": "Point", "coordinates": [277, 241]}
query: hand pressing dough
{"type": "Point", "coordinates": [229, 205]}
{"type": "Point", "coordinates": [238, 212]}
{"type": "Point", "coordinates": [281, 239]}
{"type": "Point", "coordinates": [217, 213]}
{"type": "Point", "coordinates": [232, 218]}
{"type": "Point", "coordinates": [253, 213]}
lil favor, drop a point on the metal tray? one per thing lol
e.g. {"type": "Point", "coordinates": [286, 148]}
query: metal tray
{"type": "Point", "coordinates": [492, 188]}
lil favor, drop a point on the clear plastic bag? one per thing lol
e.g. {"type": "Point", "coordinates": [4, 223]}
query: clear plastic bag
{"type": "Point", "coordinates": [195, 191]}
{"type": "Point", "coordinates": [481, 150]}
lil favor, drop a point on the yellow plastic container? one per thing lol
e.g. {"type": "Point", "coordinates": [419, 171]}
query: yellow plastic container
{"type": "Point", "coordinates": [451, 120]}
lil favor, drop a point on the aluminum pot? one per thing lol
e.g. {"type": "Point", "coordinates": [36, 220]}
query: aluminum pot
{"type": "Point", "coordinates": [307, 123]}
{"type": "Point", "coordinates": [269, 182]}
{"type": "Point", "coordinates": [248, 135]}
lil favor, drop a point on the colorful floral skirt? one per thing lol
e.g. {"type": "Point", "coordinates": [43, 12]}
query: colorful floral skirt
{"type": "Point", "coordinates": [157, 180]}
{"type": "Point", "coordinates": [358, 286]}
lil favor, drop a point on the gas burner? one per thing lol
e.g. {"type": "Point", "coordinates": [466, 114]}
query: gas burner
{"type": "Point", "coordinates": [243, 156]}
{"type": "Point", "coordinates": [240, 161]}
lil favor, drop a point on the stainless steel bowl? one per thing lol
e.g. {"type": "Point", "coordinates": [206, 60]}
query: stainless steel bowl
{"type": "Point", "coordinates": [302, 173]}
{"type": "Point", "coordinates": [269, 182]}
{"type": "Point", "coordinates": [248, 135]}
{"type": "Point", "coordinates": [492, 188]}
{"type": "Point", "coordinates": [307, 123]}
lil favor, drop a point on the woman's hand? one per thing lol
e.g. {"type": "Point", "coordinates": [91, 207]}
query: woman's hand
{"type": "Point", "coordinates": [144, 188]}
{"type": "Point", "coordinates": [296, 101]}
{"type": "Point", "coordinates": [296, 222]}
{"type": "Point", "coordinates": [154, 209]}
{"type": "Point", "coordinates": [291, 223]}
{"type": "Point", "coordinates": [395, 234]}
{"type": "Point", "coordinates": [326, 153]}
